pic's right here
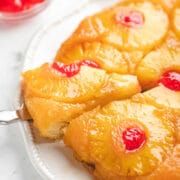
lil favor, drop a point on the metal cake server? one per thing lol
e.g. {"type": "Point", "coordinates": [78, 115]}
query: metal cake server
{"type": "Point", "coordinates": [12, 116]}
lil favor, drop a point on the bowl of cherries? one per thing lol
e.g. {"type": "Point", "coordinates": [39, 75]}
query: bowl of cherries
{"type": "Point", "coordinates": [15, 10]}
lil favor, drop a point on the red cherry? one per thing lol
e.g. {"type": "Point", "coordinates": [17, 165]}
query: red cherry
{"type": "Point", "coordinates": [11, 5]}
{"type": "Point", "coordinates": [73, 69]}
{"type": "Point", "coordinates": [133, 138]}
{"type": "Point", "coordinates": [90, 63]}
{"type": "Point", "coordinates": [130, 19]}
{"type": "Point", "coordinates": [69, 70]}
{"type": "Point", "coordinates": [171, 80]}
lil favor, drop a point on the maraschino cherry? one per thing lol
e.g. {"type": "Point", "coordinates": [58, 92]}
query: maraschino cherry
{"type": "Point", "coordinates": [133, 138]}
{"type": "Point", "coordinates": [72, 69]}
{"type": "Point", "coordinates": [171, 80]}
{"type": "Point", "coordinates": [131, 19]}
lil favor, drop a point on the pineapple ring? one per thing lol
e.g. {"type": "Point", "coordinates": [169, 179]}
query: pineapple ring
{"type": "Point", "coordinates": [109, 57]}
{"type": "Point", "coordinates": [104, 27]}
{"type": "Point", "coordinates": [167, 5]}
{"type": "Point", "coordinates": [90, 83]}
{"type": "Point", "coordinates": [176, 21]}
{"type": "Point", "coordinates": [170, 99]}
{"type": "Point", "coordinates": [157, 62]}
{"type": "Point", "coordinates": [141, 38]}
{"type": "Point", "coordinates": [98, 145]}
{"type": "Point", "coordinates": [45, 82]}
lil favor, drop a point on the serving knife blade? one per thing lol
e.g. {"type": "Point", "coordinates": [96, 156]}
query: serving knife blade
{"type": "Point", "coordinates": [9, 117]}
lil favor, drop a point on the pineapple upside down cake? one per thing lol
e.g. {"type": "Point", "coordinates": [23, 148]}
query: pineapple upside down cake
{"type": "Point", "coordinates": [112, 92]}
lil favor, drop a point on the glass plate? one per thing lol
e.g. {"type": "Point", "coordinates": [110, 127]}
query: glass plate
{"type": "Point", "coordinates": [51, 159]}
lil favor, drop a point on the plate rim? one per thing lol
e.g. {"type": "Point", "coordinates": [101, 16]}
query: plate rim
{"type": "Point", "coordinates": [25, 128]}
{"type": "Point", "coordinates": [32, 152]}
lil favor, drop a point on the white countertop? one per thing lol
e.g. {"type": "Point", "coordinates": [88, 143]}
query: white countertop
{"type": "Point", "coordinates": [14, 163]}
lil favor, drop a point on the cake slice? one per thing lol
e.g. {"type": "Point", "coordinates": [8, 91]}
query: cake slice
{"type": "Point", "coordinates": [126, 140]}
{"type": "Point", "coordinates": [56, 93]}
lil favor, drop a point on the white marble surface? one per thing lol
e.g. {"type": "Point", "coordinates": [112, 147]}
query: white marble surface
{"type": "Point", "coordinates": [14, 163]}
